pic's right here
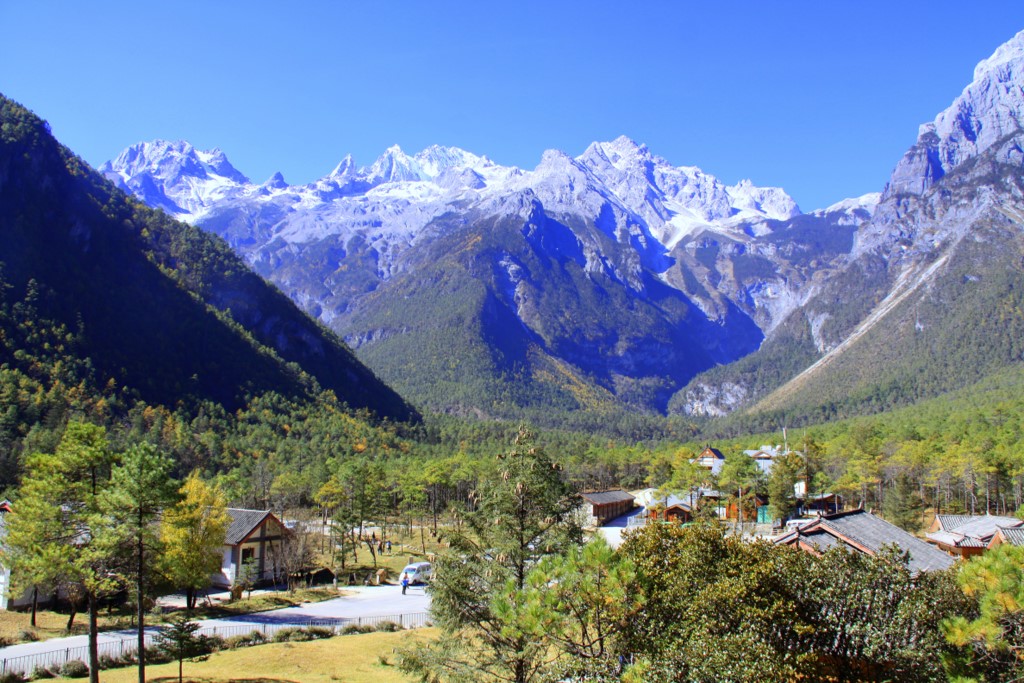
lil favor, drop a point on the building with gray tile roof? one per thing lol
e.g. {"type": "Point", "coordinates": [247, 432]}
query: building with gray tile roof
{"type": "Point", "coordinates": [864, 532]}
{"type": "Point", "coordinates": [1012, 535]}
{"type": "Point", "coordinates": [968, 535]}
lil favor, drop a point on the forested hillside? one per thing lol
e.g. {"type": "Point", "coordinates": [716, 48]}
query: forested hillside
{"type": "Point", "coordinates": [158, 309]}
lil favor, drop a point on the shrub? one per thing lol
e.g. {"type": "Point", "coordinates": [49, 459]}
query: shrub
{"type": "Point", "coordinates": [74, 669]}
{"type": "Point", "coordinates": [28, 636]}
{"type": "Point", "coordinates": [317, 632]}
{"type": "Point", "coordinates": [13, 677]}
{"type": "Point", "coordinates": [38, 673]}
{"type": "Point", "coordinates": [110, 662]}
{"type": "Point", "coordinates": [388, 626]}
{"type": "Point", "coordinates": [245, 640]}
{"type": "Point", "coordinates": [353, 629]}
{"type": "Point", "coordinates": [284, 635]}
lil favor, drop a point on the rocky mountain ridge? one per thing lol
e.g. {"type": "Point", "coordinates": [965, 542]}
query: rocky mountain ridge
{"type": "Point", "coordinates": [946, 229]}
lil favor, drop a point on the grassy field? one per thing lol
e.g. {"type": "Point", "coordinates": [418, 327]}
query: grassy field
{"type": "Point", "coordinates": [366, 658]}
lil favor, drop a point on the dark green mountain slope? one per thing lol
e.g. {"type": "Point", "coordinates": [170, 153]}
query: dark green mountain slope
{"type": "Point", "coordinates": [498, 315]}
{"type": "Point", "coordinates": [155, 306]}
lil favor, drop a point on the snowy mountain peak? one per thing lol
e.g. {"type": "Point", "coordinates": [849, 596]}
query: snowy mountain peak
{"type": "Point", "coordinates": [345, 168]}
{"type": "Point", "coordinates": [276, 182]}
{"type": "Point", "coordinates": [771, 202]}
{"type": "Point", "coordinates": [393, 166]}
{"type": "Point", "coordinates": [434, 160]}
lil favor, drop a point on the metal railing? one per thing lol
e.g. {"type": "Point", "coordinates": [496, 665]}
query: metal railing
{"type": "Point", "coordinates": [122, 648]}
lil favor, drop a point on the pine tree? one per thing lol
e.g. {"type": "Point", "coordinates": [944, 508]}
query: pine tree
{"type": "Point", "coordinates": [903, 505]}
{"type": "Point", "coordinates": [59, 521]}
{"type": "Point", "coordinates": [524, 512]}
{"type": "Point", "coordinates": [178, 639]}
{"type": "Point", "coordinates": [140, 487]}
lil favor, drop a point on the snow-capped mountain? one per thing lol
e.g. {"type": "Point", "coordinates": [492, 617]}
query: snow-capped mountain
{"type": "Point", "coordinates": [697, 262]}
{"type": "Point", "coordinates": [671, 201]}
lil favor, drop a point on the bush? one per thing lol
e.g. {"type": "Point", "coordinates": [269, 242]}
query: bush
{"type": "Point", "coordinates": [110, 662]}
{"type": "Point", "coordinates": [28, 636]}
{"type": "Point", "coordinates": [245, 640]}
{"type": "Point", "coordinates": [214, 643]}
{"type": "Point", "coordinates": [388, 627]}
{"type": "Point", "coordinates": [320, 632]}
{"type": "Point", "coordinates": [118, 661]}
{"type": "Point", "coordinates": [38, 673]}
{"type": "Point", "coordinates": [74, 669]}
{"type": "Point", "coordinates": [353, 629]}
{"type": "Point", "coordinates": [13, 677]}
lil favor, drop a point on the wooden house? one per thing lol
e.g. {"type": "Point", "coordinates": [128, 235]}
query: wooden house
{"type": "Point", "coordinates": [603, 506]}
{"type": "Point", "coordinates": [968, 535]}
{"type": "Point", "coordinates": [254, 536]}
{"type": "Point", "coordinates": [1012, 535]}
{"type": "Point", "coordinates": [710, 459]}
{"type": "Point", "coordinates": [755, 509]}
{"type": "Point", "coordinates": [862, 532]}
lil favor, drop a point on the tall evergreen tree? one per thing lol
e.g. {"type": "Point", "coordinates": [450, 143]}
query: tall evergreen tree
{"type": "Point", "coordinates": [524, 512]}
{"type": "Point", "coordinates": [903, 505]}
{"type": "Point", "coordinates": [59, 520]}
{"type": "Point", "coordinates": [140, 487]}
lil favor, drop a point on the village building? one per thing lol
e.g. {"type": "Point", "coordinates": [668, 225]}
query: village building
{"type": "Point", "coordinates": [863, 532]}
{"type": "Point", "coordinates": [603, 506]}
{"type": "Point", "coordinates": [1012, 535]}
{"type": "Point", "coordinates": [710, 459]}
{"type": "Point", "coordinates": [967, 535]}
{"type": "Point", "coordinates": [253, 537]}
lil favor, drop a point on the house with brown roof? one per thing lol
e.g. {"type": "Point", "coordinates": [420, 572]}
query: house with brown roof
{"type": "Point", "coordinates": [968, 535]}
{"type": "Point", "coordinates": [253, 537]}
{"type": "Point", "coordinates": [863, 532]}
{"type": "Point", "coordinates": [602, 506]}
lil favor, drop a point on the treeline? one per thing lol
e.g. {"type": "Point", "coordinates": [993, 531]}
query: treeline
{"type": "Point", "coordinates": [960, 452]}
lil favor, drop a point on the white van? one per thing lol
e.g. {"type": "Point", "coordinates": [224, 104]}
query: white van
{"type": "Point", "coordinates": [417, 572]}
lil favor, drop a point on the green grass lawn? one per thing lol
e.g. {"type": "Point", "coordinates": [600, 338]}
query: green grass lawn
{"type": "Point", "coordinates": [365, 658]}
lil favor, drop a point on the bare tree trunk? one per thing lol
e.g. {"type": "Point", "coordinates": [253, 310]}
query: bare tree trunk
{"type": "Point", "coordinates": [35, 605]}
{"type": "Point", "coordinates": [94, 634]}
{"type": "Point", "coordinates": [140, 591]}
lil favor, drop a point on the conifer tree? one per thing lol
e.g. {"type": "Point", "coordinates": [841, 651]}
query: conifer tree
{"type": "Point", "coordinates": [140, 487]}
{"type": "Point", "coordinates": [524, 512]}
{"type": "Point", "coordinates": [59, 521]}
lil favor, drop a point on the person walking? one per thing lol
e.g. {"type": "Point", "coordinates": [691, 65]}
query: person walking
{"type": "Point", "coordinates": [405, 582]}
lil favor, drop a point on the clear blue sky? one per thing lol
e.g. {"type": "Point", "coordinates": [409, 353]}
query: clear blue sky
{"type": "Point", "coordinates": [818, 97]}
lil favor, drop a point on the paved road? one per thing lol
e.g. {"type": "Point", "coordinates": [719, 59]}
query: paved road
{"type": "Point", "coordinates": [369, 601]}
